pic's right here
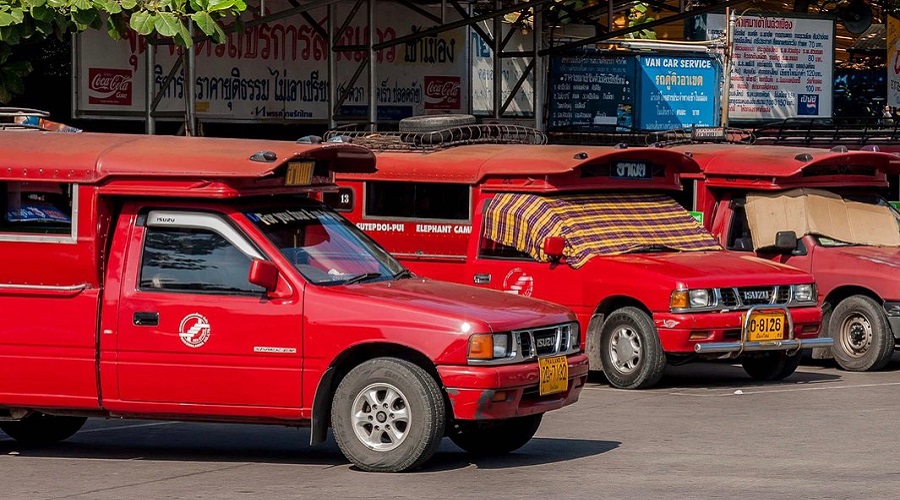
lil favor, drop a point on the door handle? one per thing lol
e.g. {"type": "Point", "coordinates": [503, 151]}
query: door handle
{"type": "Point", "coordinates": [145, 319]}
{"type": "Point", "coordinates": [482, 279]}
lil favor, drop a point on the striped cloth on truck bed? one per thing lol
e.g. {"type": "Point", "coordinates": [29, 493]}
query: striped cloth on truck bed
{"type": "Point", "coordinates": [593, 224]}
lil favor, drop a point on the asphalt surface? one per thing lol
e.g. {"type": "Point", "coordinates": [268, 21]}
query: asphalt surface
{"type": "Point", "coordinates": [707, 431]}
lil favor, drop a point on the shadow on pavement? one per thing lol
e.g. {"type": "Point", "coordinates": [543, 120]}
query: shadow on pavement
{"type": "Point", "coordinates": [227, 443]}
{"type": "Point", "coordinates": [728, 374]}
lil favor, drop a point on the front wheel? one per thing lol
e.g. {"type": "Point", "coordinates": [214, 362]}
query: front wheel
{"type": "Point", "coordinates": [497, 437]}
{"type": "Point", "coordinates": [863, 340]}
{"type": "Point", "coordinates": [770, 366]}
{"type": "Point", "coordinates": [388, 415]}
{"type": "Point", "coordinates": [39, 429]}
{"type": "Point", "coordinates": [631, 354]}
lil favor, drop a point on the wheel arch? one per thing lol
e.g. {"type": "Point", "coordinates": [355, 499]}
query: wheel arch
{"type": "Point", "coordinates": [595, 326]}
{"type": "Point", "coordinates": [842, 292]}
{"type": "Point", "coordinates": [346, 361]}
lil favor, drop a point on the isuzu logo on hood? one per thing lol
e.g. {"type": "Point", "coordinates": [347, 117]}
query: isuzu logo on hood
{"type": "Point", "coordinates": [756, 295]}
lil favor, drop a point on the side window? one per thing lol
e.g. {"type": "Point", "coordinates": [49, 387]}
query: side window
{"type": "Point", "coordinates": [37, 209]}
{"type": "Point", "coordinates": [493, 250]}
{"type": "Point", "coordinates": [194, 260]}
{"type": "Point", "coordinates": [739, 233]}
{"type": "Point", "coordinates": [418, 200]}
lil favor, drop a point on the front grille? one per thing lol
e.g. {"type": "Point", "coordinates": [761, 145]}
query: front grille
{"type": "Point", "coordinates": [783, 296]}
{"type": "Point", "coordinates": [542, 342]}
{"type": "Point", "coordinates": [751, 296]}
{"type": "Point", "coordinates": [729, 297]}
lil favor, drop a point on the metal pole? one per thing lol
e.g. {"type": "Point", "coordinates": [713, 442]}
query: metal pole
{"type": "Point", "coordinates": [373, 104]}
{"type": "Point", "coordinates": [149, 63]}
{"type": "Point", "coordinates": [729, 52]}
{"type": "Point", "coordinates": [498, 66]}
{"type": "Point", "coordinates": [190, 76]}
{"type": "Point", "coordinates": [332, 77]}
{"type": "Point", "coordinates": [539, 73]}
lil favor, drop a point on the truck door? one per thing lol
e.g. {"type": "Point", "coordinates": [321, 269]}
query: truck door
{"type": "Point", "coordinates": [192, 330]}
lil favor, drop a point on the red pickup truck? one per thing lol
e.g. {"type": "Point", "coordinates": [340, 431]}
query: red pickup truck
{"type": "Point", "coordinates": [593, 228]}
{"type": "Point", "coordinates": [195, 279]}
{"type": "Point", "coordinates": [820, 211]}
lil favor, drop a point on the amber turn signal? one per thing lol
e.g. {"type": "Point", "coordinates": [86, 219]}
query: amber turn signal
{"type": "Point", "coordinates": [679, 299]}
{"type": "Point", "coordinates": [481, 346]}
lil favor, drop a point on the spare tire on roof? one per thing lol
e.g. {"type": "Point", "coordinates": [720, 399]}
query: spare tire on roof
{"type": "Point", "coordinates": [429, 123]}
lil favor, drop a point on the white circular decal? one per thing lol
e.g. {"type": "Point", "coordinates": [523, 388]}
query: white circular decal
{"type": "Point", "coordinates": [518, 282]}
{"type": "Point", "coordinates": [194, 330]}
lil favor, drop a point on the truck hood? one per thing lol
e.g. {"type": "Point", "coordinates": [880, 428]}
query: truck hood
{"type": "Point", "coordinates": [451, 302]}
{"type": "Point", "coordinates": [887, 257]}
{"type": "Point", "coordinates": [707, 269]}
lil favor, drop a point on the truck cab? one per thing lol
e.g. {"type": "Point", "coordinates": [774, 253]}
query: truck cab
{"type": "Point", "coordinates": [197, 279]}
{"type": "Point", "coordinates": [820, 211]}
{"type": "Point", "coordinates": [592, 228]}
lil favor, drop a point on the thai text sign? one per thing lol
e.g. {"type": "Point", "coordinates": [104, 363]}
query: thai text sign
{"type": "Point", "coordinates": [893, 65]}
{"type": "Point", "coordinates": [782, 67]}
{"type": "Point", "coordinates": [278, 70]}
{"type": "Point", "coordinates": [678, 92]}
{"type": "Point", "coordinates": [591, 90]}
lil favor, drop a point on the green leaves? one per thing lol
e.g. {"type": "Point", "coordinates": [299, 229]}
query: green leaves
{"type": "Point", "coordinates": [29, 20]}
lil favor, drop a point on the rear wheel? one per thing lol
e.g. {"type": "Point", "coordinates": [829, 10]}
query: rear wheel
{"type": "Point", "coordinates": [631, 354]}
{"type": "Point", "coordinates": [40, 429]}
{"type": "Point", "coordinates": [863, 340]}
{"type": "Point", "coordinates": [770, 366]}
{"type": "Point", "coordinates": [388, 415]}
{"type": "Point", "coordinates": [496, 437]}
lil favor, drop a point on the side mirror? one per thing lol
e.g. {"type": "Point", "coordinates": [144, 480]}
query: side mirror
{"type": "Point", "coordinates": [553, 246]}
{"type": "Point", "coordinates": [786, 241]}
{"type": "Point", "coordinates": [264, 274]}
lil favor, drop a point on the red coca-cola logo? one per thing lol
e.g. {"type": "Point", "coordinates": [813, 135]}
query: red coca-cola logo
{"type": "Point", "coordinates": [109, 86]}
{"type": "Point", "coordinates": [442, 92]}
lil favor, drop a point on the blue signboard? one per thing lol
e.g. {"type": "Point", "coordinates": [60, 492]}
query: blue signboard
{"type": "Point", "coordinates": [678, 92]}
{"type": "Point", "coordinates": [589, 90]}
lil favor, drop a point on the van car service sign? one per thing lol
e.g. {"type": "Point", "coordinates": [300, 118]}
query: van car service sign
{"type": "Point", "coordinates": [194, 330]}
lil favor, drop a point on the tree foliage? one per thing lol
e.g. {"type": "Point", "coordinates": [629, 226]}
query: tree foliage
{"type": "Point", "coordinates": [29, 21]}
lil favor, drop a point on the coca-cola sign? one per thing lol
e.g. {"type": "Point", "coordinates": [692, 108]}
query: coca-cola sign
{"type": "Point", "coordinates": [442, 92]}
{"type": "Point", "coordinates": [109, 86]}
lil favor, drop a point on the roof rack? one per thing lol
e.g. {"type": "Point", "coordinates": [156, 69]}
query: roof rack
{"type": "Point", "coordinates": [690, 135]}
{"type": "Point", "coordinates": [830, 131]}
{"type": "Point", "coordinates": [486, 133]}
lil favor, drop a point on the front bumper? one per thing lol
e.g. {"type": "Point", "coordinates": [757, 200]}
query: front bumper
{"type": "Point", "coordinates": [722, 332]}
{"type": "Point", "coordinates": [507, 391]}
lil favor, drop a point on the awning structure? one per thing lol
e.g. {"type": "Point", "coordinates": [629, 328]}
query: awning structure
{"type": "Point", "coordinates": [593, 224]}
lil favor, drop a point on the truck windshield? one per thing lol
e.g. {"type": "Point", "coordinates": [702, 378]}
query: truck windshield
{"type": "Point", "coordinates": [869, 199]}
{"type": "Point", "coordinates": [323, 246]}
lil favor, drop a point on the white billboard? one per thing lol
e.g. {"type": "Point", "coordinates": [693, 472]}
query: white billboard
{"type": "Point", "coordinates": [783, 67]}
{"type": "Point", "coordinates": [278, 70]}
{"type": "Point", "coordinates": [522, 104]}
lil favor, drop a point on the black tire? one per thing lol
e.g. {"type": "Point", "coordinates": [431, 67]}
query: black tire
{"type": "Point", "coordinates": [496, 437]}
{"type": "Point", "coordinates": [863, 340]}
{"type": "Point", "coordinates": [40, 429]}
{"type": "Point", "coordinates": [770, 366]}
{"type": "Point", "coordinates": [430, 123]}
{"type": "Point", "coordinates": [631, 353]}
{"type": "Point", "coordinates": [823, 352]}
{"type": "Point", "coordinates": [410, 400]}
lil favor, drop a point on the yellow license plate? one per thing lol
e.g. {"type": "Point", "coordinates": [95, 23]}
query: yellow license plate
{"type": "Point", "coordinates": [762, 326]}
{"type": "Point", "coordinates": [554, 375]}
{"type": "Point", "coordinates": [299, 173]}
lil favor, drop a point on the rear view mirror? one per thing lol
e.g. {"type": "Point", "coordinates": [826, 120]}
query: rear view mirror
{"type": "Point", "coordinates": [264, 274]}
{"type": "Point", "coordinates": [786, 241]}
{"type": "Point", "coordinates": [553, 247]}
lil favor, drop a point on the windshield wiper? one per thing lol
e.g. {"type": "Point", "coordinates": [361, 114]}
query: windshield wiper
{"type": "Point", "coordinates": [652, 248]}
{"type": "Point", "coordinates": [361, 277]}
{"type": "Point", "coordinates": [403, 273]}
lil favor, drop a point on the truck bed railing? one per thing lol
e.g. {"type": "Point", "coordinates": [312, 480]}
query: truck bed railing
{"type": "Point", "coordinates": [829, 131]}
{"type": "Point", "coordinates": [487, 133]}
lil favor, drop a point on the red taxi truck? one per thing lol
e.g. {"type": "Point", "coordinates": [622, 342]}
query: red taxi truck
{"type": "Point", "coordinates": [593, 228]}
{"type": "Point", "coordinates": [195, 279]}
{"type": "Point", "coordinates": [823, 212]}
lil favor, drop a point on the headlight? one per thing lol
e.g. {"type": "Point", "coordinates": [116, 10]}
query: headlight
{"type": "Point", "coordinates": [805, 293]}
{"type": "Point", "coordinates": [699, 298]}
{"type": "Point", "coordinates": [488, 346]}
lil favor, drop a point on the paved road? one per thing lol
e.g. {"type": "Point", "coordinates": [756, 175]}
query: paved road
{"type": "Point", "coordinates": [823, 433]}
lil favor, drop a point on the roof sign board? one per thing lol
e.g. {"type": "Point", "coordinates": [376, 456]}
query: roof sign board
{"type": "Point", "coordinates": [677, 92]}
{"type": "Point", "coordinates": [592, 90]}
